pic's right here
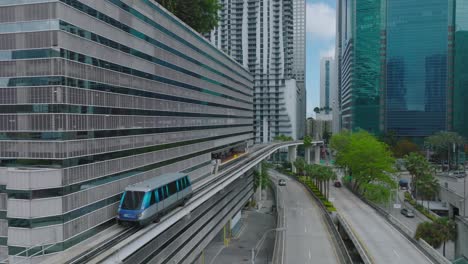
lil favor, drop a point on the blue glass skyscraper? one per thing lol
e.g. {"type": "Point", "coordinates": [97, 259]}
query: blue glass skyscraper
{"type": "Point", "coordinates": [416, 59]}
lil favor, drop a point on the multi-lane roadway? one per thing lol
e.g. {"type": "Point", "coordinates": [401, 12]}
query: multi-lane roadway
{"type": "Point", "coordinates": [383, 243]}
{"type": "Point", "coordinates": [307, 239]}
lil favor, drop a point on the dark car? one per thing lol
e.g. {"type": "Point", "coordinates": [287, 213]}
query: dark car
{"type": "Point", "coordinates": [407, 212]}
{"type": "Point", "coordinates": [337, 184]}
{"type": "Point", "coordinates": [282, 182]}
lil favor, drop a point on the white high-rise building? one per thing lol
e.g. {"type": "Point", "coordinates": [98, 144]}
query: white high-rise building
{"type": "Point", "coordinates": [268, 36]}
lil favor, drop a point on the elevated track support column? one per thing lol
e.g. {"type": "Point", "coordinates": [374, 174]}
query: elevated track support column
{"type": "Point", "coordinates": [292, 155]}
{"type": "Point", "coordinates": [307, 151]}
{"type": "Point", "coordinates": [317, 154]}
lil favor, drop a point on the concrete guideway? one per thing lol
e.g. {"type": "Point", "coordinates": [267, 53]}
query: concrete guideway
{"type": "Point", "coordinates": [307, 239]}
{"type": "Point", "coordinates": [205, 189]}
{"type": "Point", "coordinates": [383, 243]}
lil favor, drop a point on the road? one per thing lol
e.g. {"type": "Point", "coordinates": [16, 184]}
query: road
{"type": "Point", "coordinates": [307, 237]}
{"type": "Point", "coordinates": [382, 241]}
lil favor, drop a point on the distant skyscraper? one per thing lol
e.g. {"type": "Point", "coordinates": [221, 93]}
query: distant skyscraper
{"type": "Point", "coordinates": [416, 59]}
{"type": "Point", "coordinates": [299, 13]}
{"type": "Point", "coordinates": [358, 62]}
{"type": "Point", "coordinates": [326, 75]}
{"type": "Point", "coordinates": [268, 36]}
{"type": "Point", "coordinates": [401, 65]}
{"type": "Point", "coordinates": [460, 71]}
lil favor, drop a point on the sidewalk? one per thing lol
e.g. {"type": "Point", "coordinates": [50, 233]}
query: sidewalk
{"type": "Point", "coordinates": [255, 224]}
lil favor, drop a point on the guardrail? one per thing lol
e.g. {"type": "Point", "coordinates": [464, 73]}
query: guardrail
{"type": "Point", "coordinates": [345, 258]}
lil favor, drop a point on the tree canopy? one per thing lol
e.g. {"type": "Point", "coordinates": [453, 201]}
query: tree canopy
{"type": "Point", "coordinates": [201, 15]}
{"type": "Point", "coordinates": [404, 147]}
{"type": "Point", "coordinates": [443, 143]}
{"type": "Point", "coordinates": [368, 161]}
{"type": "Point", "coordinates": [307, 141]}
{"type": "Point", "coordinates": [438, 232]}
{"type": "Point", "coordinates": [283, 138]}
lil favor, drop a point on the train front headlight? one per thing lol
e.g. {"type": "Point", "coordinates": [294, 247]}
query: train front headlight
{"type": "Point", "coordinates": [139, 215]}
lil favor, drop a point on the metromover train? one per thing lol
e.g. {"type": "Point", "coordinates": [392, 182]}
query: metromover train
{"type": "Point", "coordinates": [147, 201]}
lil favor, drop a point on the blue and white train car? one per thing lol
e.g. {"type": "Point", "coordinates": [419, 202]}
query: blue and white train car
{"type": "Point", "coordinates": [145, 202]}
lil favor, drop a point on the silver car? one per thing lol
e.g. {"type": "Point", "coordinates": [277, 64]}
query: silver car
{"type": "Point", "coordinates": [407, 212]}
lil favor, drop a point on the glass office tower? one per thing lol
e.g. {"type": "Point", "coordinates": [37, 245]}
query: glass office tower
{"type": "Point", "coordinates": [416, 56]}
{"type": "Point", "coordinates": [402, 66]}
{"type": "Point", "coordinates": [359, 63]}
{"type": "Point", "coordinates": [460, 93]}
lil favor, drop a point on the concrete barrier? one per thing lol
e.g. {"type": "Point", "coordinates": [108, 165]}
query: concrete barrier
{"type": "Point", "coordinates": [357, 244]}
{"type": "Point", "coordinates": [434, 253]}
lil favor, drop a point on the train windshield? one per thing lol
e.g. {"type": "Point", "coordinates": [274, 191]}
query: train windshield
{"type": "Point", "coordinates": [132, 200]}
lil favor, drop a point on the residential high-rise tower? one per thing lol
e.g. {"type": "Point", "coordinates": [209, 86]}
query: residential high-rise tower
{"type": "Point", "coordinates": [268, 36]}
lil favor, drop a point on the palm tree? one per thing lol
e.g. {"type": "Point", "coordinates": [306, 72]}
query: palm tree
{"type": "Point", "coordinates": [428, 187]}
{"type": "Point", "coordinates": [447, 229]}
{"type": "Point", "coordinates": [417, 166]}
{"type": "Point", "coordinates": [300, 163]}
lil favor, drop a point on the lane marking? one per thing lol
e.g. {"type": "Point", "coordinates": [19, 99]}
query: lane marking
{"type": "Point", "coordinates": [394, 251]}
{"type": "Point", "coordinates": [310, 256]}
{"type": "Point", "coordinates": [306, 229]}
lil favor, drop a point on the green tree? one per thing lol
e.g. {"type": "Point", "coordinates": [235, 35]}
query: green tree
{"type": "Point", "coordinates": [300, 164]}
{"type": "Point", "coordinates": [427, 187]}
{"type": "Point", "coordinates": [307, 141]}
{"type": "Point", "coordinates": [447, 229]}
{"type": "Point", "coordinates": [418, 167]}
{"type": "Point", "coordinates": [201, 15]}
{"type": "Point", "coordinates": [328, 175]}
{"type": "Point", "coordinates": [326, 135]}
{"type": "Point", "coordinates": [389, 138]}
{"type": "Point", "coordinates": [339, 143]}
{"type": "Point", "coordinates": [443, 144]}
{"type": "Point", "coordinates": [426, 231]}
{"type": "Point", "coordinates": [282, 138]}
{"type": "Point", "coordinates": [368, 161]}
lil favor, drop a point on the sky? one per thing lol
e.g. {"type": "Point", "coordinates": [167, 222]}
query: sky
{"type": "Point", "coordinates": [320, 42]}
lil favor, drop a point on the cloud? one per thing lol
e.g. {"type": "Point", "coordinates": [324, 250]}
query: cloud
{"type": "Point", "coordinates": [330, 52]}
{"type": "Point", "coordinates": [321, 20]}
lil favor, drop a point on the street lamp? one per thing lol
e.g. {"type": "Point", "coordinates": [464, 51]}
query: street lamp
{"type": "Point", "coordinates": [260, 242]}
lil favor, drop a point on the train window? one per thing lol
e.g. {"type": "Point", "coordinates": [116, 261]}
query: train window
{"type": "Point", "coordinates": [182, 183]}
{"type": "Point", "coordinates": [152, 199]}
{"type": "Point", "coordinates": [172, 188]}
{"type": "Point", "coordinates": [161, 194]}
{"type": "Point", "coordinates": [132, 200]}
{"type": "Point", "coordinates": [156, 195]}
{"type": "Point", "coordinates": [188, 181]}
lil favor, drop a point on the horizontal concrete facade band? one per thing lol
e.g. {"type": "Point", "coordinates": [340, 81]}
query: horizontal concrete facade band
{"type": "Point", "coordinates": [77, 148]}
{"type": "Point", "coordinates": [67, 230]}
{"type": "Point", "coordinates": [97, 95]}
